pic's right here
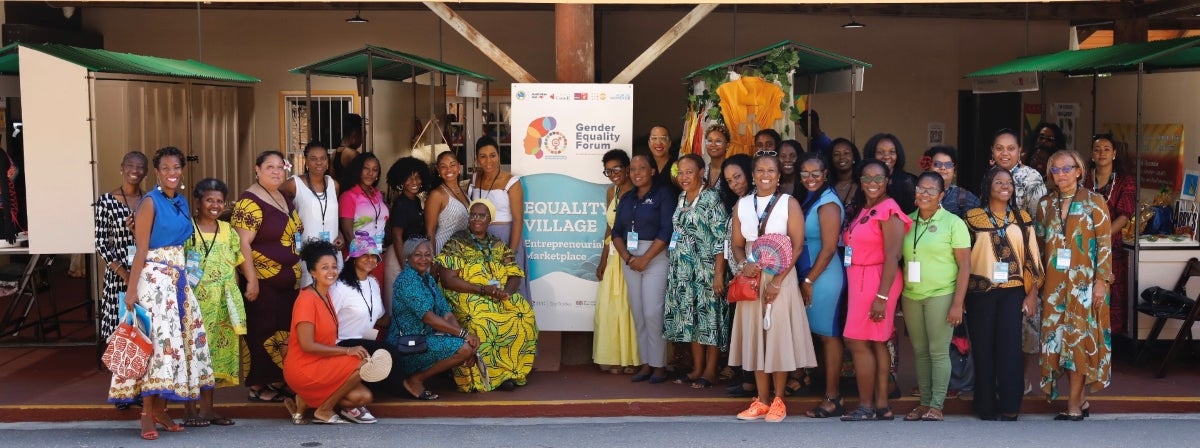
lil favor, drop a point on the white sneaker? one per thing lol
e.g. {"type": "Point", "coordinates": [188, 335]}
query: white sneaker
{"type": "Point", "coordinates": [357, 415]}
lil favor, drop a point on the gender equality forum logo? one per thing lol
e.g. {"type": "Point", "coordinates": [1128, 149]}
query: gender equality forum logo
{"type": "Point", "coordinates": [541, 138]}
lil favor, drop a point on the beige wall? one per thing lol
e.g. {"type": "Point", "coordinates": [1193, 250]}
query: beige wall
{"type": "Point", "coordinates": [918, 63]}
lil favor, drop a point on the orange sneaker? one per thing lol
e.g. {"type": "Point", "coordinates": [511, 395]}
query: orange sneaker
{"type": "Point", "coordinates": [777, 411]}
{"type": "Point", "coordinates": [756, 411]}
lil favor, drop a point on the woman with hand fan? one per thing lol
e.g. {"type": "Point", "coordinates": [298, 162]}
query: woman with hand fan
{"type": "Point", "coordinates": [770, 335]}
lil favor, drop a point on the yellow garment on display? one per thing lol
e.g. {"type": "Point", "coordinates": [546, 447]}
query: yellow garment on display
{"type": "Point", "coordinates": [748, 105]}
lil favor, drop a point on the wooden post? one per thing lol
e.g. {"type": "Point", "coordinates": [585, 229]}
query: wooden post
{"type": "Point", "coordinates": [663, 43]}
{"type": "Point", "coordinates": [482, 43]}
{"type": "Point", "coordinates": [1132, 30]}
{"type": "Point", "coordinates": [574, 43]}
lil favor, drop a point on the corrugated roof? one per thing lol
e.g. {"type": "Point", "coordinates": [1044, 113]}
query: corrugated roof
{"type": "Point", "coordinates": [812, 59]}
{"type": "Point", "coordinates": [386, 64]}
{"type": "Point", "coordinates": [1117, 58]}
{"type": "Point", "coordinates": [105, 61]}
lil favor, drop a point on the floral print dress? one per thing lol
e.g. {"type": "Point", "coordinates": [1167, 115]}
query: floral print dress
{"type": "Point", "coordinates": [1075, 328]}
{"type": "Point", "coordinates": [692, 311]}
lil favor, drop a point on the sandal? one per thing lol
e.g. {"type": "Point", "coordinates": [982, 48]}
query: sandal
{"type": "Point", "coordinates": [332, 420]}
{"type": "Point", "coordinates": [196, 422]}
{"type": "Point", "coordinates": [151, 434]}
{"type": "Point", "coordinates": [916, 414]}
{"type": "Point", "coordinates": [425, 395]}
{"type": "Point", "coordinates": [862, 414]}
{"type": "Point", "coordinates": [726, 374]}
{"type": "Point", "coordinates": [295, 411]}
{"type": "Point", "coordinates": [820, 412]}
{"type": "Point", "coordinates": [256, 395]}
{"type": "Point", "coordinates": [932, 415]}
{"type": "Point", "coordinates": [802, 383]}
{"type": "Point", "coordinates": [221, 421]}
{"type": "Point", "coordinates": [684, 379]}
{"type": "Point", "coordinates": [701, 383]}
{"type": "Point", "coordinates": [884, 413]}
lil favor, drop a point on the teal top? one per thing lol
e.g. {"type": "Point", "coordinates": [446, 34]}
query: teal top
{"type": "Point", "coordinates": [932, 243]}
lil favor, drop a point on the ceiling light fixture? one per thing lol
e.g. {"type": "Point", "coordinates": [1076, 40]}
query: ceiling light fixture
{"type": "Point", "coordinates": [357, 16]}
{"type": "Point", "coordinates": [853, 23]}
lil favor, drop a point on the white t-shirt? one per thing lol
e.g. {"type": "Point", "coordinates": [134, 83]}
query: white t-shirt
{"type": "Point", "coordinates": [357, 311]}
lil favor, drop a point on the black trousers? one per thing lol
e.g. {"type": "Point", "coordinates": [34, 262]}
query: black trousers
{"type": "Point", "coordinates": [394, 383]}
{"type": "Point", "coordinates": [994, 327]}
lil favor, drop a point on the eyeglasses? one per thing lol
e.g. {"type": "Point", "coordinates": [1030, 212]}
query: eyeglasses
{"type": "Point", "coordinates": [715, 142]}
{"type": "Point", "coordinates": [766, 152]}
{"type": "Point", "coordinates": [614, 170]}
{"type": "Point", "coordinates": [479, 217]}
{"type": "Point", "coordinates": [810, 174]}
{"type": "Point", "coordinates": [874, 179]}
{"type": "Point", "coordinates": [943, 165]}
{"type": "Point", "coordinates": [660, 139]}
{"type": "Point", "coordinates": [1063, 170]}
{"type": "Point", "coordinates": [927, 191]}
{"type": "Point", "coordinates": [1048, 138]}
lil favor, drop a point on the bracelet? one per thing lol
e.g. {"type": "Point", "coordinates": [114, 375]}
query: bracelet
{"type": "Point", "coordinates": [808, 280]}
{"type": "Point", "coordinates": [776, 286]}
{"type": "Point", "coordinates": [881, 297]}
{"type": "Point", "coordinates": [463, 334]}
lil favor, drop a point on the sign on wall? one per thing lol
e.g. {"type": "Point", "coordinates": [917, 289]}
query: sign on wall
{"type": "Point", "coordinates": [560, 132]}
{"type": "Point", "coordinates": [1162, 152]}
{"type": "Point", "coordinates": [1066, 115]}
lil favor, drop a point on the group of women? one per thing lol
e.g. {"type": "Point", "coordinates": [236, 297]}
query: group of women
{"type": "Point", "coordinates": [1020, 267]}
{"type": "Point", "coordinates": [308, 308]}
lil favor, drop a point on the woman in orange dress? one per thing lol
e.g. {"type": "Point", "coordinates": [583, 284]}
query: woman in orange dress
{"type": "Point", "coordinates": [320, 371]}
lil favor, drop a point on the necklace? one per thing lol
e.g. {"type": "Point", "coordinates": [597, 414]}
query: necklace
{"type": "Point", "coordinates": [458, 197]}
{"type": "Point", "coordinates": [490, 187]}
{"type": "Point", "coordinates": [1108, 188]}
{"type": "Point", "coordinates": [125, 197]}
{"type": "Point", "coordinates": [282, 207]}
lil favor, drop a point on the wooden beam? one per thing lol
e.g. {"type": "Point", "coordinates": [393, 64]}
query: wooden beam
{"type": "Point", "coordinates": [575, 43]}
{"type": "Point", "coordinates": [493, 52]}
{"type": "Point", "coordinates": [663, 43]}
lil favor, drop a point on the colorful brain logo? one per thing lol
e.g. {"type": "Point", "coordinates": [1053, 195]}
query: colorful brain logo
{"type": "Point", "coordinates": [538, 129]}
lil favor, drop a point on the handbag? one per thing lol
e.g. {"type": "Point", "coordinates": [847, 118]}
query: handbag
{"type": "Point", "coordinates": [1165, 303]}
{"type": "Point", "coordinates": [743, 288]}
{"type": "Point", "coordinates": [411, 344]}
{"type": "Point", "coordinates": [129, 347]}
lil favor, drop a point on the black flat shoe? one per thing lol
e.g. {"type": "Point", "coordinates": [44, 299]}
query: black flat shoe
{"type": "Point", "coordinates": [1009, 418]}
{"type": "Point", "coordinates": [1066, 416]}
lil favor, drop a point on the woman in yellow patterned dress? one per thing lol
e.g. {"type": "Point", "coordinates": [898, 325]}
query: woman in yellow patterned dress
{"type": "Point", "coordinates": [615, 342]}
{"type": "Point", "coordinates": [1073, 222]}
{"type": "Point", "coordinates": [213, 255]}
{"type": "Point", "coordinates": [267, 226]}
{"type": "Point", "coordinates": [482, 284]}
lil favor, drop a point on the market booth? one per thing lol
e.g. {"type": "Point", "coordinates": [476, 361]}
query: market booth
{"type": "Point", "coordinates": [1119, 105]}
{"type": "Point", "coordinates": [759, 90]}
{"type": "Point", "coordinates": [371, 63]}
{"type": "Point", "coordinates": [81, 110]}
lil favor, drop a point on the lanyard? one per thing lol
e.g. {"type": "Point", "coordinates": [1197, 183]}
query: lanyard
{"type": "Point", "coordinates": [763, 214]}
{"type": "Point", "coordinates": [683, 199]}
{"type": "Point", "coordinates": [917, 235]}
{"type": "Point", "coordinates": [366, 301]}
{"type": "Point", "coordinates": [332, 313]}
{"type": "Point", "coordinates": [1002, 231]}
{"type": "Point", "coordinates": [1062, 224]}
{"type": "Point", "coordinates": [204, 243]}
{"type": "Point", "coordinates": [377, 207]}
{"type": "Point", "coordinates": [322, 198]}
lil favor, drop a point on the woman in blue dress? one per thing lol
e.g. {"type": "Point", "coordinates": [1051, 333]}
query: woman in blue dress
{"type": "Point", "coordinates": [822, 276]}
{"type": "Point", "coordinates": [418, 307]}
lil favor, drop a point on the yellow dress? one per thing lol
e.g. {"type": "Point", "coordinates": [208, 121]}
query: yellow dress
{"type": "Point", "coordinates": [614, 338]}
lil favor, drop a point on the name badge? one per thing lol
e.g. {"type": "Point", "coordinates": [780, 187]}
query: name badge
{"type": "Point", "coordinates": [1000, 272]}
{"type": "Point", "coordinates": [299, 240]}
{"type": "Point", "coordinates": [192, 268]}
{"type": "Point", "coordinates": [1075, 209]}
{"type": "Point", "coordinates": [674, 240]}
{"type": "Point", "coordinates": [631, 241]}
{"type": "Point", "coordinates": [130, 251]}
{"type": "Point", "coordinates": [849, 256]}
{"type": "Point", "coordinates": [378, 237]}
{"type": "Point", "coordinates": [1062, 259]}
{"type": "Point", "coordinates": [325, 236]}
{"type": "Point", "coordinates": [913, 271]}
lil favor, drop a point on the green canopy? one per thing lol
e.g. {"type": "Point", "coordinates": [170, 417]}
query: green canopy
{"type": "Point", "coordinates": [1157, 55]}
{"type": "Point", "coordinates": [813, 60]}
{"type": "Point", "coordinates": [386, 64]}
{"type": "Point", "coordinates": [104, 61]}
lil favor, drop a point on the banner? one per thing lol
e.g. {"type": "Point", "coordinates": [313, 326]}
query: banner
{"type": "Point", "coordinates": [1162, 152]}
{"type": "Point", "coordinates": [1016, 82]}
{"type": "Point", "coordinates": [1033, 116]}
{"type": "Point", "coordinates": [560, 133]}
{"type": "Point", "coordinates": [1066, 115]}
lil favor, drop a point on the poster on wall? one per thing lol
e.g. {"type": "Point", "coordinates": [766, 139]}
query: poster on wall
{"type": "Point", "coordinates": [935, 135]}
{"type": "Point", "coordinates": [1162, 152]}
{"type": "Point", "coordinates": [1032, 115]}
{"type": "Point", "coordinates": [560, 133]}
{"type": "Point", "coordinates": [1066, 115]}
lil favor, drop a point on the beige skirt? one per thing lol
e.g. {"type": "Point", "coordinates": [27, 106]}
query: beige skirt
{"type": "Point", "coordinates": [787, 345]}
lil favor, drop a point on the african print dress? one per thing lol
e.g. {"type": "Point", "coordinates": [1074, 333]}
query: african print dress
{"type": "Point", "coordinates": [221, 302]}
{"type": "Point", "coordinates": [1075, 328]}
{"type": "Point", "coordinates": [507, 330]}
{"type": "Point", "coordinates": [180, 366]}
{"type": "Point", "coordinates": [692, 310]}
{"type": "Point", "coordinates": [1120, 194]}
{"type": "Point", "coordinates": [113, 239]}
{"type": "Point", "coordinates": [415, 295]}
{"type": "Point", "coordinates": [277, 266]}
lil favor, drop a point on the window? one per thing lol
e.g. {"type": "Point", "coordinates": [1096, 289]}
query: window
{"type": "Point", "coordinates": [298, 125]}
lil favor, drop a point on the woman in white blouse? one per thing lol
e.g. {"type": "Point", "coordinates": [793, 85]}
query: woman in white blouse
{"type": "Point", "coordinates": [315, 196]}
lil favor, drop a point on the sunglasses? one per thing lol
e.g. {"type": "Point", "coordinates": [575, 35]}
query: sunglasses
{"type": "Point", "coordinates": [874, 179]}
{"type": "Point", "coordinates": [611, 171]}
{"type": "Point", "coordinates": [1063, 170]}
{"type": "Point", "coordinates": [715, 142]}
{"type": "Point", "coordinates": [766, 152]}
{"type": "Point", "coordinates": [478, 217]}
{"type": "Point", "coordinates": [810, 174]}
{"type": "Point", "coordinates": [944, 165]}
{"type": "Point", "coordinates": [1048, 138]}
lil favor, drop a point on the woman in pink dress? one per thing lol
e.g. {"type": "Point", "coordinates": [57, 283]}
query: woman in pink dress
{"type": "Point", "coordinates": [873, 240]}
